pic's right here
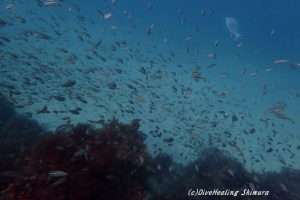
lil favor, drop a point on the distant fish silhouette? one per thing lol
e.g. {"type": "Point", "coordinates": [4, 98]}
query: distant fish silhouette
{"type": "Point", "coordinates": [233, 27]}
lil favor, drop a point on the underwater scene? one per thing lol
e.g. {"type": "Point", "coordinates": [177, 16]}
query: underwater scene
{"type": "Point", "coordinates": [149, 99]}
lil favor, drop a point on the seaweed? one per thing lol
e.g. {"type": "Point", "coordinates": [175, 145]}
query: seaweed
{"type": "Point", "coordinates": [99, 165]}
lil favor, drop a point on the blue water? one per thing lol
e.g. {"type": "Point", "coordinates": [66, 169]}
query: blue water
{"type": "Point", "coordinates": [187, 118]}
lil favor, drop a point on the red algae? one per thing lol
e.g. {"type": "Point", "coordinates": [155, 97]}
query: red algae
{"type": "Point", "coordinates": [106, 157]}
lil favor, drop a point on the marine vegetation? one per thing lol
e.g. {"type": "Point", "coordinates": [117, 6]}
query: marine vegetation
{"type": "Point", "coordinates": [86, 164]}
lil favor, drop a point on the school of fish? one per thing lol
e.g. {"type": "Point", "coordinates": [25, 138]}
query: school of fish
{"type": "Point", "coordinates": [61, 65]}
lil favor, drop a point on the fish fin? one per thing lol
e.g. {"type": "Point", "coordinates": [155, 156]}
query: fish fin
{"type": "Point", "coordinates": [237, 36]}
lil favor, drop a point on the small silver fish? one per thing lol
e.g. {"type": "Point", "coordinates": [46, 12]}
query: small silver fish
{"type": "Point", "coordinates": [281, 61]}
{"type": "Point", "coordinates": [211, 65]}
{"type": "Point", "coordinates": [139, 99]}
{"type": "Point", "coordinates": [224, 75]}
{"type": "Point", "coordinates": [163, 73]}
{"type": "Point", "coordinates": [216, 43]}
{"type": "Point", "coordinates": [239, 45]}
{"type": "Point", "coordinates": [107, 15]}
{"type": "Point", "coordinates": [196, 74]}
{"type": "Point", "coordinates": [197, 168]}
{"type": "Point", "coordinates": [253, 74]}
{"type": "Point", "coordinates": [187, 38]}
{"type": "Point", "coordinates": [243, 71]}
{"type": "Point", "coordinates": [230, 172]}
{"type": "Point", "coordinates": [51, 2]}
{"type": "Point", "coordinates": [59, 182]}
{"type": "Point", "coordinates": [57, 173]}
{"type": "Point", "coordinates": [269, 69]}
{"type": "Point", "coordinates": [159, 167]}
{"type": "Point", "coordinates": [283, 116]}
{"type": "Point", "coordinates": [9, 6]}
{"type": "Point", "coordinates": [272, 32]}
{"type": "Point", "coordinates": [212, 55]}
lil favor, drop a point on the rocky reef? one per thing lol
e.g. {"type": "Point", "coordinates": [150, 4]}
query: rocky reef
{"type": "Point", "coordinates": [82, 162]}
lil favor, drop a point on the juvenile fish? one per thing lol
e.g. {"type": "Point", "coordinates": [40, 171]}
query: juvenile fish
{"type": "Point", "coordinates": [283, 116]}
{"type": "Point", "coordinates": [280, 61]}
{"type": "Point", "coordinates": [59, 182]}
{"type": "Point", "coordinates": [211, 65]}
{"type": "Point", "coordinates": [269, 69]}
{"type": "Point", "coordinates": [107, 15]}
{"type": "Point", "coordinates": [188, 38]}
{"type": "Point", "coordinates": [196, 74]}
{"type": "Point", "coordinates": [57, 173]}
{"type": "Point", "coordinates": [51, 2]}
{"type": "Point", "coordinates": [139, 99]}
